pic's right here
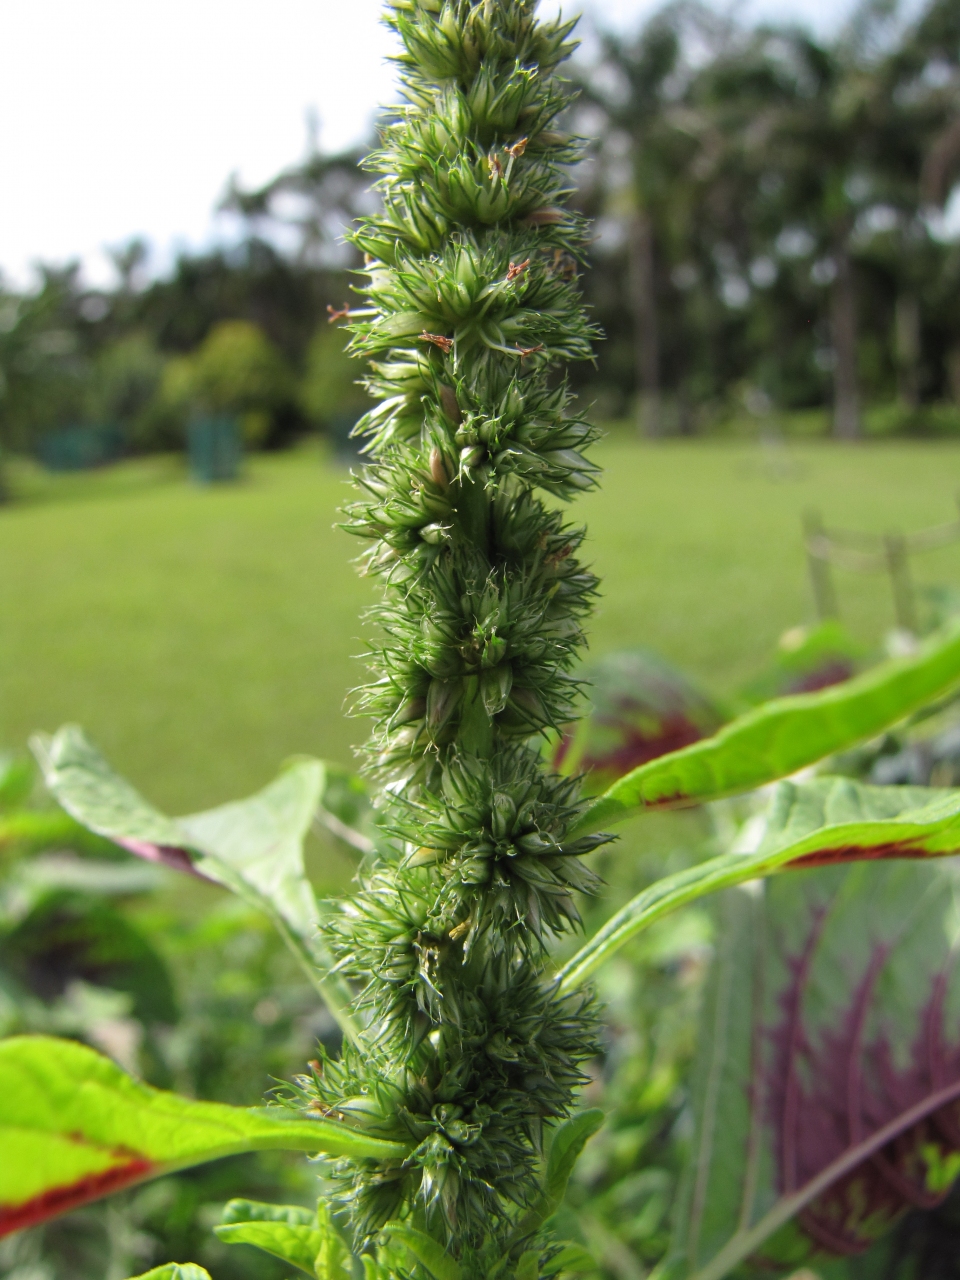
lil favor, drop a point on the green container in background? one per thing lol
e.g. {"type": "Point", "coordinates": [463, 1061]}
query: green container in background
{"type": "Point", "coordinates": [214, 448]}
{"type": "Point", "coordinates": [78, 448]}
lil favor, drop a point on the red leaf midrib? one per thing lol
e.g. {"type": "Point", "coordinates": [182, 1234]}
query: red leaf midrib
{"type": "Point", "coordinates": [57, 1200]}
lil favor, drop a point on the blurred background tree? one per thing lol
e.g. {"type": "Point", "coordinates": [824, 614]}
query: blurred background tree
{"type": "Point", "coordinates": [236, 370]}
{"type": "Point", "coordinates": [124, 382]}
{"type": "Point", "coordinates": [330, 395]}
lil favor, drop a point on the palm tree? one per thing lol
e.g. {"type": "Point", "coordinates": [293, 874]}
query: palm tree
{"type": "Point", "coordinates": [849, 145]}
{"type": "Point", "coordinates": [638, 84]}
{"type": "Point", "coordinates": [933, 53]}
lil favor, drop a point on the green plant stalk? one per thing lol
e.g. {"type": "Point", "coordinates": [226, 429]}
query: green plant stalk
{"type": "Point", "coordinates": [472, 306]}
{"type": "Point", "coordinates": [331, 989]}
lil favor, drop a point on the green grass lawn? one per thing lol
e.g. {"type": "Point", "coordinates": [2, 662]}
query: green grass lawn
{"type": "Point", "coordinates": [202, 636]}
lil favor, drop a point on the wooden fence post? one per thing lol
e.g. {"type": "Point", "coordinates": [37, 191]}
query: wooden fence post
{"type": "Point", "coordinates": [818, 564]}
{"type": "Point", "coordinates": [898, 566]}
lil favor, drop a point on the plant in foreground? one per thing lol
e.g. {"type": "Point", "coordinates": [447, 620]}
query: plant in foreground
{"type": "Point", "coordinates": [448, 1121]}
{"type": "Point", "coordinates": [87, 950]}
{"type": "Point", "coordinates": [471, 282]}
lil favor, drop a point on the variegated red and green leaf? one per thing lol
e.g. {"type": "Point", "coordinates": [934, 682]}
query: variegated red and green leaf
{"type": "Point", "coordinates": [74, 1127]}
{"type": "Point", "coordinates": [782, 736]}
{"type": "Point", "coordinates": [828, 820]}
{"type": "Point", "coordinates": [641, 708]}
{"type": "Point", "coordinates": [827, 1091]}
{"type": "Point", "coordinates": [254, 847]}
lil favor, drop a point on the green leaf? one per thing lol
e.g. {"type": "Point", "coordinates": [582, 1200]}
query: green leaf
{"type": "Point", "coordinates": [68, 936]}
{"type": "Point", "coordinates": [74, 1127]}
{"type": "Point", "coordinates": [294, 1215]}
{"type": "Point", "coordinates": [782, 736]}
{"type": "Point", "coordinates": [641, 707]}
{"type": "Point", "coordinates": [253, 847]}
{"type": "Point", "coordinates": [571, 1257]}
{"type": "Point", "coordinates": [333, 1260]}
{"type": "Point", "coordinates": [528, 1265]}
{"type": "Point", "coordinates": [297, 1244]}
{"type": "Point", "coordinates": [827, 820]}
{"type": "Point", "coordinates": [827, 1087]}
{"type": "Point", "coordinates": [309, 1240]}
{"type": "Point", "coordinates": [568, 1141]}
{"type": "Point", "coordinates": [426, 1250]}
{"type": "Point", "coordinates": [88, 789]}
{"type": "Point", "coordinates": [807, 658]}
{"type": "Point", "coordinates": [175, 1271]}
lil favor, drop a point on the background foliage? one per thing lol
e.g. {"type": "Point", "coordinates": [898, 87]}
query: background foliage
{"type": "Point", "coordinates": [771, 244]}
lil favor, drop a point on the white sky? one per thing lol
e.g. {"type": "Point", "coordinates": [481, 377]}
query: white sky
{"type": "Point", "coordinates": [126, 117]}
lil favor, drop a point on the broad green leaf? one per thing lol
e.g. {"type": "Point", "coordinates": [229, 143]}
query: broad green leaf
{"type": "Point", "coordinates": [334, 1260]}
{"type": "Point", "coordinates": [782, 736]}
{"type": "Point", "coordinates": [74, 1127]}
{"type": "Point", "coordinates": [641, 707]}
{"type": "Point", "coordinates": [175, 1271]}
{"type": "Point", "coordinates": [827, 1089]}
{"type": "Point", "coordinates": [309, 1240]}
{"type": "Point", "coordinates": [297, 1244]}
{"type": "Point", "coordinates": [827, 820]}
{"type": "Point", "coordinates": [88, 789]}
{"type": "Point", "coordinates": [528, 1265]}
{"type": "Point", "coordinates": [294, 1215]}
{"type": "Point", "coordinates": [568, 1141]}
{"type": "Point", "coordinates": [253, 847]}
{"type": "Point", "coordinates": [431, 1255]}
{"type": "Point", "coordinates": [806, 659]}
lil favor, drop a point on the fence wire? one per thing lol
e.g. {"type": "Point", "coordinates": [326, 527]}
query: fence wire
{"type": "Point", "coordinates": [859, 552]}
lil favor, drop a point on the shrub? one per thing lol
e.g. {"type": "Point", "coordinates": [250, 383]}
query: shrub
{"type": "Point", "coordinates": [236, 369]}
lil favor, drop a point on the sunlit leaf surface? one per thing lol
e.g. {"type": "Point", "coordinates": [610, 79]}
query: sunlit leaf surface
{"type": "Point", "coordinates": [782, 736]}
{"type": "Point", "coordinates": [824, 821]}
{"type": "Point", "coordinates": [253, 847]}
{"type": "Point", "coordinates": [74, 1127]}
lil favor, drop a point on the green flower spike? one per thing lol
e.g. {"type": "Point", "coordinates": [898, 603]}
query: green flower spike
{"type": "Point", "coordinates": [472, 306]}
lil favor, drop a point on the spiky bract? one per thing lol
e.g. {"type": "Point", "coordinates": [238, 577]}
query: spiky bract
{"type": "Point", "coordinates": [496, 834]}
{"type": "Point", "coordinates": [472, 306]}
{"type": "Point", "coordinates": [471, 1100]}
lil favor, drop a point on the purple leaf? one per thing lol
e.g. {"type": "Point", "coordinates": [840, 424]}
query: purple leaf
{"type": "Point", "coordinates": [827, 1092]}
